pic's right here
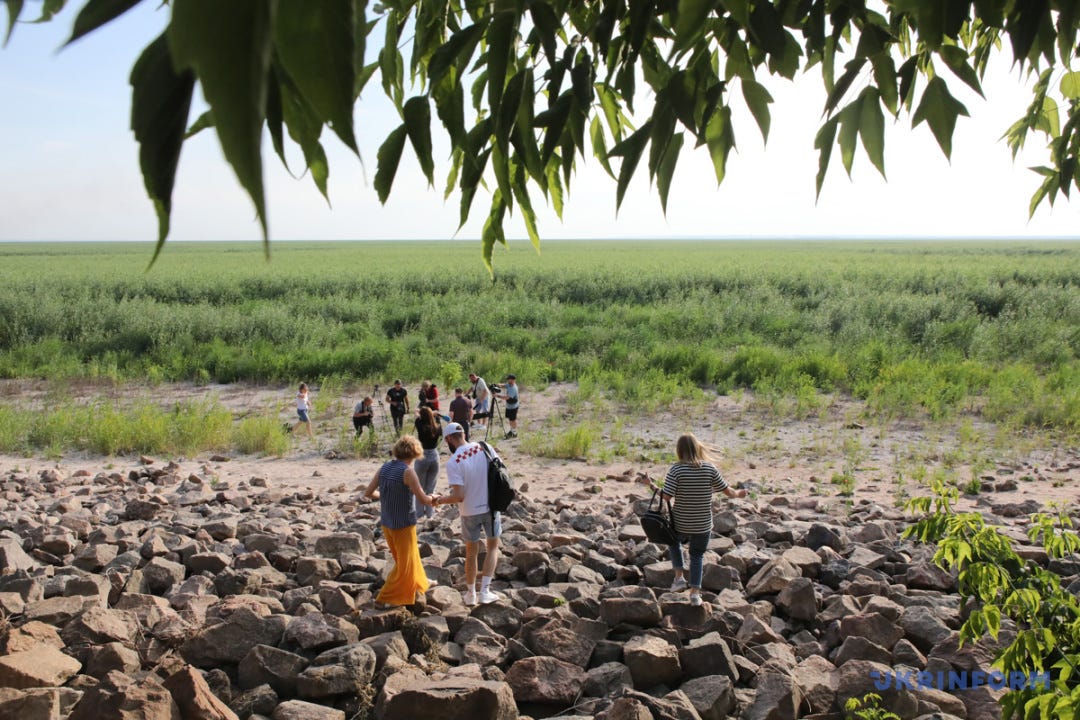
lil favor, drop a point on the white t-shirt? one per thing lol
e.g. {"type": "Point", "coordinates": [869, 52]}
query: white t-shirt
{"type": "Point", "coordinates": [302, 402]}
{"type": "Point", "coordinates": [468, 467]}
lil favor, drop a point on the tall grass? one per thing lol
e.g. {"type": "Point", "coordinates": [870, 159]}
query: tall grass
{"type": "Point", "coordinates": [913, 328]}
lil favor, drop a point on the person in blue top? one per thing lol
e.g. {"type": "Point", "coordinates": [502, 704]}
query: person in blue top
{"type": "Point", "coordinates": [397, 488]}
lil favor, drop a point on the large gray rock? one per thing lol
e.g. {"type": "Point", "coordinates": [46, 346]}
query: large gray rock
{"type": "Point", "coordinates": [265, 665]}
{"type": "Point", "coordinates": [232, 639]}
{"type": "Point", "coordinates": [300, 710]}
{"type": "Point", "coordinates": [872, 626]}
{"type": "Point", "coordinates": [545, 680]}
{"type": "Point", "coordinates": [858, 677]}
{"type": "Point", "coordinates": [608, 680]}
{"type": "Point", "coordinates": [119, 697]}
{"type": "Point", "coordinates": [341, 671]}
{"type": "Point", "coordinates": [711, 695]}
{"type": "Point", "coordinates": [13, 557]}
{"type": "Point", "coordinates": [409, 695]}
{"type": "Point", "coordinates": [316, 632]}
{"type": "Point", "coordinates": [923, 628]}
{"type": "Point", "coordinates": [798, 600]}
{"type": "Point", "coordinates": [631, 604]}
{"type": "Point", "coordinates": [708, 655]}
{"type": "Point", "coordinates": [652, 661]}
{"type": "Point", "coordinates": [776, 698]}
{"type": "Point", "coordinates": [855, 647]}
{"type": "Point", "coordinates": [817, 681]}
{"type": "Point", "coordinates": [773, 577]}
{"type": "Point", "coordinates": [99, 625]}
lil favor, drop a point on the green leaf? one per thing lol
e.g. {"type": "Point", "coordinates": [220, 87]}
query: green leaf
{"type": "Point", "coordinates": [388, 159]}
{"type": "Point", "coordinates": [49, 9]}
{"type": "Point", "coordinates": [160, 103]}
{"type": "Point", "coordinates": [630, 151]}
{"type": "Point", "coordinates": [417, 113]}
{"type": "Point", "coordinates": [939, 109]}
{"type": "Point", "coordinates": [501, 34]}
{"type": "Point", "coordinates": [823, 143]}
{"type": "Point", "coordinates": [96, 13]}
{"type": "Point", "coordinates": [204, 121]}
{"type": "Point", "coordinates": [758, 99]}
{"type": "Point", "coordinates": [493, 230]}
{"type": "Point", "coordinates": [1049, 121]}
{"type": "Point", "coordinates": [907, 74]}
{"type": "Point", "coordinates": [720, 138]}
{"type": "Point", "coordinates": [521, 194]}
{"type": "Point", "coordinates": [363, 77]}
{"type": "Point", "coordinates": [457, 51]}
{"type": "Point", "coordinates": [274, 116]}
{"type": "Point", "coordinates": [14, 8]}
{"type": "Point", "coordinates": [957, 61]}
{"type": "Point", "coordinates": [599, 145]}
{"type": "Point", "coordinates": [228, 46]}
{"type": "Point", "coordinates": [304, 126]}
{"type": "Point", "coordinates": [885, 77]}
{"type": "Point", "coordinates": [740, 10]}
{"type": "Point", "coordinates": [666, 170]}
{"type": "Point", "coordinates": [850, 118]}
{"type": "Point", "coordinates": [851, 71]}
{"type": "Point", "coordinates": [315, 45]}
{"type": "Point", "coordinates": [690, 22]}
{"type": "Point", "coordinates": [554, 120]}
{"type": "Point", "coordinates": [547, 24]}
{"type": "Point", "coordinates": [1070, 85]}
{"type": "Point", "coordinates": [872, 127]}
{"type": "Point", "coordinates": [555, 187]}
{"type": "Point", "coordinates": [767, 28]}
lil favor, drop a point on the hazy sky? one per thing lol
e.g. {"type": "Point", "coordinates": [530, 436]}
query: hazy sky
{"type": "Point", "coordinates": [69, 169]}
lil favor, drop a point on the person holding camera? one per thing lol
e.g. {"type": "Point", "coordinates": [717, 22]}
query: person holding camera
{"type": "Point", "coordinates": [398, 399]}
{"type": "Point", "coordinates": [362, 415]}
{"type": "Point", "coordinates": [509, 395]}
{"type": "Point", "coordinates": [481, 398]}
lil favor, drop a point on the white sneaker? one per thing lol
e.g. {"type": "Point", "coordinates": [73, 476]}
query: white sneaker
{"type": "Point", "coordinates": [678, 584]}
{"type": "Point", "coordinates": [469, 597]}
{"type": "Point", "coordinates": [695, 600]}
{"type": "Point", "coordinates": [487, 596]}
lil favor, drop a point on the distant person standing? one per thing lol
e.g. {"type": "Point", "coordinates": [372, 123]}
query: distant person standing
{"type": "Point", "coordinates": [461, 410]}
{"type": "Point", "coordinates": [398, 399]}
{"type": "Point", "coordinates": [428, 396]}
{"type": "Point", "coordinates": [362, 415]}
{"type": "Point", "coordinates": [397, 488]}
{"type": "Point", "coordinates": [481, 397]}
{"type": "Point", "coordinates": [303, 409]}
{"type": "Point", "coordinates": [510, 404]}
{"type": "Point", "coordinates": [429, 432]}
{"type": "Point", "coordinates": [467, 471]}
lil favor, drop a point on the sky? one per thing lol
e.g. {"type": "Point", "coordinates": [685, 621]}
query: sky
{"type": "Point", "coordinates": [69, 169]}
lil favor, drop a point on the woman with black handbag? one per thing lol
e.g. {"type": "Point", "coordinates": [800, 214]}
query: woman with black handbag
{"type": "Point", "coordinates": [690, 483]}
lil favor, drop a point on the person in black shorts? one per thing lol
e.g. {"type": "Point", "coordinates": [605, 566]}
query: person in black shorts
{"type": "Point", "coordinates": [397, 398]}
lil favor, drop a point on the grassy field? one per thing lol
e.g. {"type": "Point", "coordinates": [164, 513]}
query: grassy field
{"type": "Point", "coordinates": [913, 328]}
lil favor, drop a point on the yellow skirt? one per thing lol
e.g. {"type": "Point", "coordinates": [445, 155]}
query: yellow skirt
{"type": "Point", "coordinates": [408, 576]}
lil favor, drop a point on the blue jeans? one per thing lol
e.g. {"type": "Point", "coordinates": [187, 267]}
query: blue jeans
{"type": "Point", "coordinates": [427, 470]}
{"type": "Point", "coordinates": [697, 543]}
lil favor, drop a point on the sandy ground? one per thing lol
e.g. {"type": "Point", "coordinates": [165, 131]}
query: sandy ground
{"type": "Point", "coordinates": [757, 446]}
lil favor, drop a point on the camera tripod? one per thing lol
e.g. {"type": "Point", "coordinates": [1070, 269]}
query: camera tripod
{"type": "Point", "coordinates": [491, 414]}
{"type": "Point", "coordinates": [382, 409]}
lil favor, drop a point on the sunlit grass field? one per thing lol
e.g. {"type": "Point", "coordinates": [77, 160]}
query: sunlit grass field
{"type": "Point", "coordinates": [913, 328]}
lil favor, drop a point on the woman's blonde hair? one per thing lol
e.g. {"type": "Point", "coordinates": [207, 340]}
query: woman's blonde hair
{"type": "Point", "coordinates": [689, 450]}
{"type": "Point", "coordinates": [407, 447]}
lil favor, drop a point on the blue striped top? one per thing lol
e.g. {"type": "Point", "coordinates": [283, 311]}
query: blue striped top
{"type": "Point", "coordinates": [396, 501]}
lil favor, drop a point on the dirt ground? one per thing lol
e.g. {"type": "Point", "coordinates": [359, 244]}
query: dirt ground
{"type": "Point", "coordinates": [757, 446]}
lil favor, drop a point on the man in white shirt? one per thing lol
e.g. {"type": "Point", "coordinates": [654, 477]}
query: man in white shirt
{"type": "Point", "coordinates": [467, 472]}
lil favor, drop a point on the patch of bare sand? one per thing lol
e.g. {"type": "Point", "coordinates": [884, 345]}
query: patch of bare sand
{"type": "Point", "coordinates": [757, 447]}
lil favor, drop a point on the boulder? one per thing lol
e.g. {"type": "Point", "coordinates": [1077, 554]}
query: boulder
{"type": "Point", "coordinates": [40, 666]}
{"type": "Point", "coordinates": [652, 661]}
{"type": "Point", "coordinates": [341, 671]}
{"type": "Point", "coordinates": [194, 698]}
{"type": "Point", "coordinates": [545, 680]}
{"type": "Point", "coordinates": [773, 577]}
{"type": "Point", "coordinates": [708, 655]}
{"type": "Point", "coordinates": [776, 697]}
{"type": "Point", "coordinates": [711, 695]}
{"type": "Point", "coordinates": [798, 600]}
{"type": "Point", "coordinates": [300, 710]}
{"type": "Point", "coordinates": [231, 639]}
{"type": "Point", "coordinates": [408, 695]}
{"type": "Point", "coordinates": [817, 680]}
{"type": "Point", "coordinates": [120, 697]}
{"type": "Point", "coordinates": [265, 665]}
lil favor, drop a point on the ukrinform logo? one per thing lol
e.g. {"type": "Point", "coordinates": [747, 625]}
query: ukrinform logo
{"type": "Point", "coordinates": [927, 680]}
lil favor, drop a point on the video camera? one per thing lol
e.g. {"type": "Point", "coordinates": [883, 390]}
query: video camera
{"type": "Point", "coordinates": [495, 387]}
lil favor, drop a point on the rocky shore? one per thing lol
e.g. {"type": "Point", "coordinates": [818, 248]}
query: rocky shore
{"type": "Point", "coordinates": [157, 592]}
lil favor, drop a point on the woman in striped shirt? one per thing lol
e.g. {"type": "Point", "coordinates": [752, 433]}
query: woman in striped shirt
{"type": "Point", "coordinates": [397, 488]}
{"type": "Point", "coordinates": [691, 482]}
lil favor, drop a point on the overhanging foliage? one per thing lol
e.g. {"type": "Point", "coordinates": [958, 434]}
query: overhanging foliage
{"type": "Point", "coordinates": [524, 88]}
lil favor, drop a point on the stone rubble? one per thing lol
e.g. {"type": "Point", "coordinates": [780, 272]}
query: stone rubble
{"type": "Point", "coordinates": [160, 594]}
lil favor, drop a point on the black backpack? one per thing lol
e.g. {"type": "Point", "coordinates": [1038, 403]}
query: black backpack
{"type": "Point", "coordinates": [501, 490]}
